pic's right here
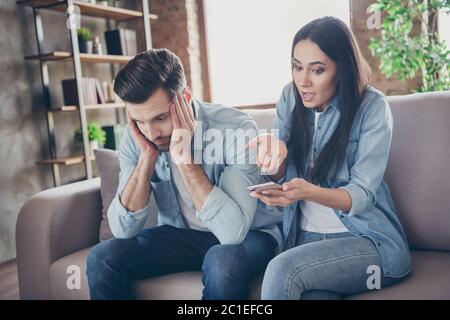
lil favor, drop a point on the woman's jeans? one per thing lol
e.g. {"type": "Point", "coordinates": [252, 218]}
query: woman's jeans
{"type": "Point", "coordinates": [324, 266]}
{"type": "Point", "coordinates": [113, 265]}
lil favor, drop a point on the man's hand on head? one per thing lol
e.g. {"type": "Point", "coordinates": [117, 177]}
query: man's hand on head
{"type": "Point", "coordinates": [184, 124]}
{"type": "Point", "coordinates": [147, 148]}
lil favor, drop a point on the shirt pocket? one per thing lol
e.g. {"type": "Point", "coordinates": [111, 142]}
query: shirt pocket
{"type": "Point", "coordinates": [165, 196]}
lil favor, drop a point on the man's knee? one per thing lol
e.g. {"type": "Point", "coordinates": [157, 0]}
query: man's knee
{"type": "Point", "coordinates": [225, 275]}
{"type": "Point", "coordinates": [222, 260]}
{"type": "Point", "coordinates": [99, 255]}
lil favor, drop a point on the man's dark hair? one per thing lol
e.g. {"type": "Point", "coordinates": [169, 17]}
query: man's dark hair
{"type": "Point", "coordinates": [147, 72]}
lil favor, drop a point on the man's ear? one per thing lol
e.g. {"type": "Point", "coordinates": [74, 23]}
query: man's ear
{"type": "Point", "coordinates": [187, 94]}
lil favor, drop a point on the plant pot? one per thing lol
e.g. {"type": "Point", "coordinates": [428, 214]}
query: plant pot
{"type": "Point", "coordinates": [92, 146]}
{"type": "Point", "coordinates": [86, 46]}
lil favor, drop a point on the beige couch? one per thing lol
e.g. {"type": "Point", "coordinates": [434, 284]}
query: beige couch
{"type": "Point", "coordinates": [57, 227]}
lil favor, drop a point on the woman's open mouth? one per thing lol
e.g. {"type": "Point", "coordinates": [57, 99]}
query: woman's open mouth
{"type": "Point", "coordinates": [307, 96]}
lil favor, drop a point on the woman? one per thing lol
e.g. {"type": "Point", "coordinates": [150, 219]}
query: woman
{"type": "Point", "coordinates": [342, 235]}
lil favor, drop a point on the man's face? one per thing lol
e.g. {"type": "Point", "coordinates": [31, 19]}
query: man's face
{"type": "Point", "coordinates": [153, 119]}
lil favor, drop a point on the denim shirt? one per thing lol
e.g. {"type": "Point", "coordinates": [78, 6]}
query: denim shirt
{"type": "Point", "coordinates": [372, 213]}
{"type": "Point", "coordinates": [229, 210]}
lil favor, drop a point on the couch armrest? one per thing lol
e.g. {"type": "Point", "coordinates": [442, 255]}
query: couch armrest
{"type": "Point", "coordinates": [52, 224]}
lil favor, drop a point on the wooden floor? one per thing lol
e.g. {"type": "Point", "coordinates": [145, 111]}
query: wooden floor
{"type": "Point", "coordinates": [9, 283]}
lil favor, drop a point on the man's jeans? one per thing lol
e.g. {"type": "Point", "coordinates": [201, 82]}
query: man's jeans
{"type": "Point", "coordinates": [323, 266]}
{"type": "Point", "coordinates": [113, 265]}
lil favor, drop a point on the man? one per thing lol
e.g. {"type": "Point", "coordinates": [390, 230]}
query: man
{"type": "Point", "coordinates": [206, 217]}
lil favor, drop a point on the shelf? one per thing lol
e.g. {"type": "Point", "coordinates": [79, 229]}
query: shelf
{"type": "Point", "coordinates": [256, 106]}
{"type": "Point", "coordinates": [104, 58]}
{"type": "Point", "coordinates": [63, 109]}
{"type": "Point", "coordinates": [56, 55]}
{"type": "Point", "coordinates": [101, 106]}
{"type": "Point", "coordinates": [104, 106]}
{"type": "Point", "coordinates": [89, 9]}
{"type": "Point", "coordinates": [84, 57]}
{"type": "Point", "coordinates": [66, 161]}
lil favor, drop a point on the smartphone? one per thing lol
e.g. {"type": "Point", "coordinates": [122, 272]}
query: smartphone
{"type": "Point", "coordinates": [264, 186]}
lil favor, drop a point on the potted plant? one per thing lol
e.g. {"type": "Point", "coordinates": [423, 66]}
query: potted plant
{"type": "Point", "coordinates": [85, 40]}
{"type": "Point", "coordinates": [407, 53]}
{"type": "Point", "coordinates": [97, 136]}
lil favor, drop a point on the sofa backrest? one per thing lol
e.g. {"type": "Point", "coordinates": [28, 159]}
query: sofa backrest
{"type": "Point", "coordinates": [418, 171]}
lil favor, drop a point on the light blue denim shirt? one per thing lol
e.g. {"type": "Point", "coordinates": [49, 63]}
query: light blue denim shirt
{"type": "Point", "coordinates": [372, 214]}
{"type": "Point", "coordinates": [229, 210]}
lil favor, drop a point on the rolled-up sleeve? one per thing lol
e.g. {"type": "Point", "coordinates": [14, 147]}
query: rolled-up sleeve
{"type": "Point", "coordinates": [229, 209]}
{"type": "Point", "coordinates": [371, 156]}
{"type": "Point", "coordinates": [124, 223]}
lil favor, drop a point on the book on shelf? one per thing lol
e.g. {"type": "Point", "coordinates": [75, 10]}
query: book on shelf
{"type": "Point", "coordinates": [121, 42]}
{"type": "Point", "coordinates": [113, 136]}
{"type": "Point", "coordinates": [100, 96]}
{"type": "Point", "coordinates": [91, 89]}
{"type": "Point", "coordinates": [130, 40]}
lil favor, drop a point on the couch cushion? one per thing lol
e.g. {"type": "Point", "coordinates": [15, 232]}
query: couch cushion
{"type": "Point", "coordinates": [109, 168]}
{"type": "Point", "coordinates": [429, 279]}
{"type": "Point", "coordinates": [418, 172]}
{"type": "Point", "coordinates": [263, 117]}
{"type": "Point", "coordinates": [59, 276]}
{"type": "Point", "coordinates": [184, 285]}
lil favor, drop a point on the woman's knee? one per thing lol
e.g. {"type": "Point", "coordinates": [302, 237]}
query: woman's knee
{"type": "Point", "coordinates": [279, 277]}
{"type": "Point", "coordinates": [280, 265]}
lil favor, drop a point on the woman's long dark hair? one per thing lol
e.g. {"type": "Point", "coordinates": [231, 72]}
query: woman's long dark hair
{"type": "Point", "coordinates": [337, 41]}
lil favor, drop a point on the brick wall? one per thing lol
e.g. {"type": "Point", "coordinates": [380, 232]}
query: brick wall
{"type": "Point", "coordinates": [177, 29]}
{"type": "Point", "coordinates": [358, 18]}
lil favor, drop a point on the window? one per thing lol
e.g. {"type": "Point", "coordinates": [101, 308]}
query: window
{"type": "Point", "coordinates": [249, 44]}
{"type": "Point", "coordinates": [444, 27]}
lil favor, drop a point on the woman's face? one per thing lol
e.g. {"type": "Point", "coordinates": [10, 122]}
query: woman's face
{"type": "Point", "coordinates": [314, 73]}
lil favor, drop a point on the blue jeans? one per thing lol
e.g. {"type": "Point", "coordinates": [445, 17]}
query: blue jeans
{"type": "Point", "coordinates": [323, 266]}
{"type": "Point", "coordinates": [113, 265]}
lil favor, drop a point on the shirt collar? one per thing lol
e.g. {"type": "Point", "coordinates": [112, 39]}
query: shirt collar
{"type": "Point", "coordinates": [333, 104]}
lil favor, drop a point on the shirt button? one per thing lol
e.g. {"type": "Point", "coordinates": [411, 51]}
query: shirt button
{"type": "Point", "coordinates": [342, 216]}
{"type": "Point", "coordinates": [167, 165]}
{"type": "Point", "coordinates": [315, 149]}
{"type": "Point", "coordinates": [320, 127]}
